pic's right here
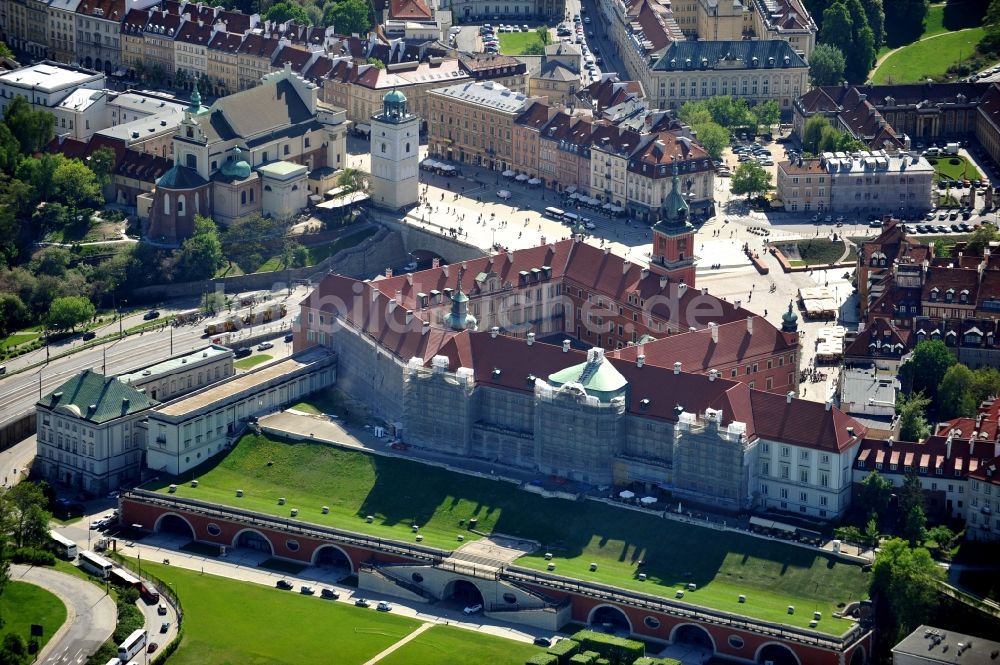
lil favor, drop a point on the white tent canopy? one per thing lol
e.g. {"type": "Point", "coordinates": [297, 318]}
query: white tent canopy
{"type": "Point", "coordinates": [534, 181]}
{"type": "Point", "coordinates": [508, 174]}
{"type": "Point", "coordinates": [521, 177]}
{"type": "Point", "coordinates": [648, 500]}
{"type": "Point", "coordinates": [570, 189]}
{"type": "Point", "coordinates": [504, 194]}
{"type": "Point", "coordinates": [626, 494]}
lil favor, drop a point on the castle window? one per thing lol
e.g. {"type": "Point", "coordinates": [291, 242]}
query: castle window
{"type": "Point", "coordinates": [383, 148]}
{"type": "Point", "coordinates": [287, 150]}
{"type": "Point", "coordinates": [180, 204]}
{"type": "Point", "coordinates": [407, 151]}
{"type": "Point", "coordinates": [166, 204]}
{"type": "Point", "coordinates": [243, 197]}
{"type": "Point", "coordinates": [191, 161]}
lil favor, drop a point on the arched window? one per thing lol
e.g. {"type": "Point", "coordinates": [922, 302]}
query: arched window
{"type": "Point", "coordinates": [251, 196]}
{"type": "Point", "coordinates": [180, 204]}
{"type": "Point", "coordinates": [407, 148]}
{"type": "Point", "coordinates": [243, 197]}
{"type": "Point", "coordinates": [166, 204]}
{"type": "Point", "coordinates": [383, 148]}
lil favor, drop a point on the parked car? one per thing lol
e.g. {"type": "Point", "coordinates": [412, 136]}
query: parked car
{"type": "Point", "coordinates": [473, 609]}
{"type": "Point", "coordinates": [362, 602]}
{"type": "Point", "coordinates": [161, 609]}
{"type": "Point", "coordinates": [165, 626]}
{"type": "Point", "coordinates": [329, 594]}
{"type": "Point", "coordinates": [542, 642]}
{"type": "Point", "coordinates": [289, 337]}
{"type": "Point", "coordinates": [89, 335]}
{"type": "Point", "coordinates": [384, 606]}
{"type": "Point", "coordinates": [264, 346]}
{"type": "Point", "coordinates": [284, 585]}
{"type": "Point", "coordinates": [242, 353]}
{"type": "Point", "coordinates": [150, 315]}
{"type": "Point", "coordinates": [153, 646]}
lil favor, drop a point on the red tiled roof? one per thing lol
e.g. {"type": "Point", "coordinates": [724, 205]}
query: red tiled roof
{"type": "Point", "coordinates": [409, 9]}
{"type": "Point", "coordinates": [535, 116]}
{"type": "Point", "coordinates": [111, 10]}
{"type": "Point", "coordinates": [803, 423]}
{"type": "Point", "coordinates": [931, 454]}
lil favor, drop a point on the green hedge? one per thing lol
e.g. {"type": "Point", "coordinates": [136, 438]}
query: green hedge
{"type": "Point", "coordinates": [602, 661]}
{"type": "Point", "coordinates": [33, 557]}
{"type": "Point", "coordinates": [564, 650]}
{"type": "Point", "coordinates": [618, 650]}
{"type": "Point", "coordinates": [649, 660]}
{"type": "Point", "coordinates": [581, 659]}
{"type": "Point", "coordinates": [537, 659]}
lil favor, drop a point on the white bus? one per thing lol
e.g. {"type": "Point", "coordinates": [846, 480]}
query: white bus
{"type": "Point", "coordinates": [95, 565]}
{"type": "Point", "coordinates": [63, 546]}
{"type": "Point", "coordinates": [132, 645]}
{"type": "Point", "coordinates": [554, 213]}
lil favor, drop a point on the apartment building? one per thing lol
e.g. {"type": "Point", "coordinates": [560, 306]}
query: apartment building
{"type": "Point", "coordinates": [649, 173]}
{"type": "Point", "coordinates": [472, 123]}
{"type": "Point", "coordinates": [98, 32]}
{"type": "Point", "coordinates": [611, 148]}
{"type": "Point", "coordinates": [62, 30]}
{"type": "Point", "coordinates": [222, 62]}
{"type": "Point", "coordinates": [191, 51]}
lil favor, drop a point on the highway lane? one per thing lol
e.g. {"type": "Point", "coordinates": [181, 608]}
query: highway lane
{"type": "Point", "coordinates": [90, 614]}
{"type": "Point", "coordinates": [19, 392]}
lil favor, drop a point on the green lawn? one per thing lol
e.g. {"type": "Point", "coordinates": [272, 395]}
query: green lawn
{"type": "Point", "coordinates": [953, 167]}
{"type": "Point", "coordinates": [252, 361]}
{"type": "Point", "coordinates": [23, 604]}
{"type": "Point", "coordinates": [820, 251]}
{"type": "Point", "coordinates": [398, 493]}
{"type": "Point", "coordinates": [229, 622]}
{"type": "Point", "coordinates": [444, 644]}
{"type": "Point", "coordinates": [929, 58]}
{"type": "Point", "coordinates": [17, 338]}
{"type": "Point", "coordinates": [961, 14]}
{"type": "Point", "coordinates": [515, 43]}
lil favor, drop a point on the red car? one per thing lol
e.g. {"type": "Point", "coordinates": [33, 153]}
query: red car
{"type": "Point", "coordinates": [153, 646]}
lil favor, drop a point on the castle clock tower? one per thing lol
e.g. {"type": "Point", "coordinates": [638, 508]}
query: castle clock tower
{"type": "Point", "coordinates": [673, 238]}
{"type": "Point", "coordinates": [395, 148]}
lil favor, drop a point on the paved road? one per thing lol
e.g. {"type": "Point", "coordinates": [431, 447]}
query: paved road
{"type": "Point", "coordinates": [90, 614]}
{"type": "Point", "coordinates": [19, 391]}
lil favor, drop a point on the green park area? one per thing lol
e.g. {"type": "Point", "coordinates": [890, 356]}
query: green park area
{"type": "Point", "coordinates": [521, 43]}
{"type": "Point", "coordinates": [399, 493]}
{"type": "Point", "coordinates": [23, 604]}
{"type": "Point", "coordinates": [954, 167]}
{"type": "Point", "coordinates": [927, 58]}
{"type": "Point", "coordinates": [227, 621]}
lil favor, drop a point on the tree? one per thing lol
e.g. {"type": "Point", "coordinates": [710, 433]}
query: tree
{"type": "Point", "coordinates": [826, 65]}
{"type": "Point", "coordinates": [14, 650]}
{"type": "Point", "coordinates": [200, 255]}
{"type": "Point", "coordinates": [13, 313]}
{"type": "Point", "coordinates": [766, 114]}
{"type": "Point", "coordinates": [913, 519]}
{"type": "Point", "coordinates": [349, 17]}
{"type": "Point", "coordinates": [33, 129]}
{"type": "Point", "coordinates": [861, 57]}
{"type": "Point", "coordinates": [75, 184]}
{"type": "Point", "coordinates": [696, 113]}
{"type": "Point", "coordinates": [904, 21]}
{"type": "Point", "coordinates": [5, 51]}
{"type": "Point", "coordinates": [955, 397]}
{"type": "Point", "coordinates": [926, 367]}
{"type": "Point", "coordinates": [729, 112]}
{"type": "Point", "coordinates": [353, 180]}
{"type": "Point", "coordinates": [712, 137]}
{"type": "Point", "coordinates": [67, 312]}
{"type": "Point", "coordinates": [838, 28]}
{"type": "Point", "coordinates": [376, 62]}
{"type": "Point", "coordinates": [875, 494]}
{"type": "Point", "coordinates": [10, 150]}
{"type": "Point", "coordinates": [534, 48]}
{"type": "Point", "coordinates": [25, 519]}
{"type": "Point", "coordinates": [871, 534]}
{"type": "Point", "coordinates": [750, 178]}
{"type": "Point", "coordinates": [985, 384]}
{"type": "Point", "coordinates": [544, 36]}
{"type": "Point", "coordinates": [102, 163]}
{"type": "Point", "coordinates": [280, 12]}
{"type": "Point", "coordinates": [812, 132]}
{"type": "Point", "coordinates": [913, 425]}
{"type": "Point", "coordinates": [51, 261]}
{"type": "Point", "coordinates": [875, 13]}
{"type": "Point", "coordinates": [246, 240]}
{"type": "Point", "coordinates": [981, 237]}
{"type": "Point", "coordinates": [904, 586]}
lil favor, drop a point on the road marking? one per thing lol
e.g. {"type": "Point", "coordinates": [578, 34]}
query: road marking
{"type": "Point", "coordinates": [397, 645]}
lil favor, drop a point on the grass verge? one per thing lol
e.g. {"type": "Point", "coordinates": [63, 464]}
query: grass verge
{"type": "Point", "coordinates": [820, 251]}
{"type": "Point", "coordinates": [226, 621]}
{"type": "Point", "coordinates": [929, 58]}
{"type": "Point", "coordinates": [23, 604]}
{"type": "Point", "coordinates": [515, 43]}
{"type": "Point", "coordinates": [954, 167]}
{"type": "Point", "coordinates": [252, 361]}
{"type": "Point", "coordinates": [399, 493]}
{"type": "Point", "coordinates": [444, 644]}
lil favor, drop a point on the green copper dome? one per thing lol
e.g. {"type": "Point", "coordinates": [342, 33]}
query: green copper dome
{"type": "Point", "coordinates": [394, 97]}
{"type": "Point", "coordinates": [460, 318]}
{"type": "Point", "coordinates": [790, 320]}
{"type": "Point", "coordinates": [674, 209]}
{"type": "Point", "coordinates": [236, 167]}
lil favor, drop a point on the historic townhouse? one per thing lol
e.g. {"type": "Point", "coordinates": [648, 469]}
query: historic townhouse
{"type": "Point", "coordinates": [62, 30]}
{"type": "Point", "coordinates": [191, 51]}
{"type": "Point", "coordinates": [159, 34]}
{"type": "Point", "coordinates": [254, 59]}
{"type": "Point", "coordinates": [525, 140]}
{"type": "Point", "coordinates": [222, 62]}
{"type": "Point", "coordinates": [98, 32]}
{"type": "Point", "coordinates": [649, 172]}
{"type": "Point", "coordinates": [611, 148]}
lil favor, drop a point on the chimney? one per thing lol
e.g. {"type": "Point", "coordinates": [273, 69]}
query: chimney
{"type": "Point", "coordinates": [704, 290]}
{"type": "Point", "coordinates": [399, 297]}
{"type": "Point", "coordinates": [388, 272]}
{"type": "Point", "coordinates": [972, 446]}
{"type": "Point", "coordinates": [640, 360]}
{"type": "Point", "coordinates": [663, 281]}
{"type": "Point", "coordinates": [749, 325]}
{"type": "Point", "coordinates": [435, 262]}
{"type": "Point", "coordinates": [425, 328]}
{"type": "Point", "coordinates": [996, 448]}
{"type": "Point", "coordinates": [947, 447]}
{"type": "Point", "coordinates": [375, 294]}
{"type": "Point", "coordinates": [713, 374]}
{"type": "Point", "coordinates": [714, 329]}
{"type": "Point", "coordinates": [494, 331]}
{"type": "Point", "coordinates": [409, 315]}
{"type": "Point", "coordinates": [625, 266]}
{"type": "Point", "coordinates": [392, 305]}
{"type": "Point", "coordinates": [409, 278]}
{"type": "Point", "coordinates": [677, 368]}
{"type": "Point", "coordinates": [510, 256]}
{"type": "Point", "coordinates": [531, 338]}
{"type": "Point", "coordinates": [682, 289]}
{"type": "Point", "coordinates": [566, 345]}
{"type": "Point", "coordinates": [645, 273]}
{"type": "Point", "coordinates": [788, 397]}
{"type": "Point", "coordinates": [444, 269]}
{"type": "Point", "coordinates": [829, 404]}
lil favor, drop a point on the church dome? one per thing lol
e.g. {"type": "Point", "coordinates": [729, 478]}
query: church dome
{"type": "Point", "coordinates": [394, 97]}
{"type": "Point", "coordinates": [236, 167]}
